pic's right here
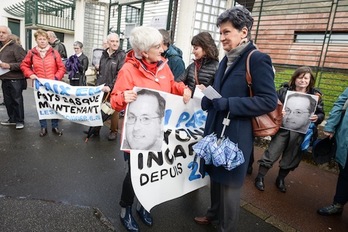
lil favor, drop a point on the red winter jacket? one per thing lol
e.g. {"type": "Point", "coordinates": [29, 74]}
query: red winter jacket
{"type": "Point", "coordinates": [49, 67]}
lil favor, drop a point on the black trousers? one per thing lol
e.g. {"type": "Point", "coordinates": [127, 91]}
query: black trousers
{"type": "Point", "coordinates": [127, 195]}
{"type": "Point", "coordinates": [13, 99]}
{"type": "Point", "coordinates": [341, 195]}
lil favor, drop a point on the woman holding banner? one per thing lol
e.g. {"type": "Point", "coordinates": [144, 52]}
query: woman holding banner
{"type": "Point", "coordinates": [44, 62]}
{"type": "Point", "coordinates": [144, 67]}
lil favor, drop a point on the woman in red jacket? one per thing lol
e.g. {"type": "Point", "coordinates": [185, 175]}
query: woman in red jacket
{"type": "Point", "coordinates": [144, 67]}
{"type": "Point", "coordinates": [44, 62]}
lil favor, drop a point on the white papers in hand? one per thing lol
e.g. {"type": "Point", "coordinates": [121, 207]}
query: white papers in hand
{"type": "Point", "coordinates": [211, 93]}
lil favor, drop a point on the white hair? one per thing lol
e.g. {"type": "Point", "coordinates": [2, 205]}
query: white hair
{"type": "Point", "coordinates": [143, 38]}
{"type": "Point", "coordinates": [8, 29]}
{"type": "Point", "coordinates": [112, 35]}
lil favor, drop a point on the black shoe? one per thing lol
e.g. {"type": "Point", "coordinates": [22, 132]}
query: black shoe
{"type": "Point", "coordinates": [92, 131]}
{"type": "Point", "coordinates": [57, 131]}
{"type": "Point", "coordinates": [145, 216]}
{"type": "Point", "coordinates": [128, 221]}
{"type": "Point", "coordinates": [280, 183]}
{"type": "Point", "coordinates": [259, 184]}
{"type": "Point", "coordinates": [43, 132]}
{"type": "Point", "coordinates": [333, 209]}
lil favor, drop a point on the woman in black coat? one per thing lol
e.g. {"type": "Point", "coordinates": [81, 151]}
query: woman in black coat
{"type": "Point", "coordinates": [230, 81]}
{"type": "Point", "coordinates": [77, 66]}
{"type": "Point", "coordinates": [202, 70]}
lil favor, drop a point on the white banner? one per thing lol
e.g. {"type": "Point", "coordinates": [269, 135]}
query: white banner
{"type": "Point", "coordinates": [168, 174]}
{"type": "Point", "coordinates": [59, 100]}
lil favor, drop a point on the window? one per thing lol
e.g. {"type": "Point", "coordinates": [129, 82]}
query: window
{"type": "Point", "coordinates": [318, 37]}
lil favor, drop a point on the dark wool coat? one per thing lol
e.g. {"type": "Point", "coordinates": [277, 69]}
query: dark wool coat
{"type": "Point", "coordinates": [233, 85]}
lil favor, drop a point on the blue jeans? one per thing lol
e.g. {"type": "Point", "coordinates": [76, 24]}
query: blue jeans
{"type": "Point", "coordinates": [54, 122]}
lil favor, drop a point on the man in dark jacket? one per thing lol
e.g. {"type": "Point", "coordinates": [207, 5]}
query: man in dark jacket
{"type": "Point", "coordinates": [173, 54]}
{"type": "Point", "coordinates": [111, 62]}
{"type": "Point", "coordinates": [13, 81]}
{"type": "Point", "coordinates": [57, 44]}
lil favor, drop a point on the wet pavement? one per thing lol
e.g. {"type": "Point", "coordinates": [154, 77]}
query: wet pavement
{"type": "Point", "coordinates": [64, 184]}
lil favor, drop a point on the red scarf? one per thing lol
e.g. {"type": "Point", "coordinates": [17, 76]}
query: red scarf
{"type": "Point", "coordinates": [152, 67]}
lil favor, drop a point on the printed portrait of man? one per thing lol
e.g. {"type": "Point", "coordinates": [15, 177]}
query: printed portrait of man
{"type": "Point", "coordinates": [144, 122]}
{"type": "Point", "coordinates": [298, 109]}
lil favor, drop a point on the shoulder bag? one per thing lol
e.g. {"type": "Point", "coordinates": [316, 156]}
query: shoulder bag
{"type": "Point", "coordinates": [266, 124]}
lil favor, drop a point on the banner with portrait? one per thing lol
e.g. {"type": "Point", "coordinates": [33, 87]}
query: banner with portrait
{"type": "Point", "coordinates": [298, 107]}
{"type": "Point", "coordinates": [173, 170]}
{"type": "Point", "coordinates": [59, 100]}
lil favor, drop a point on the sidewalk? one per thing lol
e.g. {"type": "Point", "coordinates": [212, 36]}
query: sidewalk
{"type": "Point", "coordinates": [308, 188]}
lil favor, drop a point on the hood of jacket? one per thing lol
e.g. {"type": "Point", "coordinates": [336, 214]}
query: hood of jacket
{"type": "Point", "coordinates": [173, 51]}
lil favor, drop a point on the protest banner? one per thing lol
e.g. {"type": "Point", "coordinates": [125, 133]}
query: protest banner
{"type": "Point", "coordinates": [159, 176]}
{"type": "Point", "coordinates": [59, 100]}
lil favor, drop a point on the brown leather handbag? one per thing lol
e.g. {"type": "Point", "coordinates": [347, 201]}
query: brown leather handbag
{"type": "Point", "coordinates": [266, 124]}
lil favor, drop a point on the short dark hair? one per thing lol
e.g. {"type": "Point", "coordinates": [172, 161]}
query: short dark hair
{"type": "Point", "coordinates": [207, 43]}
{"type": "Point", "coordinates": [160, 99]}
{"type": "Point", "coordinates": [312, 101]}
{"type": "Point", "coordinates": [79, 44]}
{"type": "Point", "coordinates": [239, 16]}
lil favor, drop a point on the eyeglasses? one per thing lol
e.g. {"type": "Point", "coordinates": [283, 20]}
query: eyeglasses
{"type": "Point", "coordinates": [295, 112]}
{"type": "Point", "coordinates": [144, 120]}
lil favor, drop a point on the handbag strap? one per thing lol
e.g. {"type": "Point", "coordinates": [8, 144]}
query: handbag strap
{"type": "Point", "coordinates": [8, 42]}
{"type": "Point", "coordinates": [106, 98]}
{"type": "Point", "coordinates": [345, 106]}
{"type": "Point", "coordinates": [196, 76]}
{"type": "Point", "coordinates": [248, 75]}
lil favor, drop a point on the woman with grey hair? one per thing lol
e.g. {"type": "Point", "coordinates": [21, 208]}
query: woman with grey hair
{"type": "Point", "coordinates": [144, 67]}
{"type": "Point", "coordinates": [77, 66]}
{"type": "Point", "coordinates": [230, 81]}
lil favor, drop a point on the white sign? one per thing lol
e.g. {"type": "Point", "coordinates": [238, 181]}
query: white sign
{"type": "Point", "coordinates": [168, 174]}
{"type": "Point", "coordinates": [59, 100]}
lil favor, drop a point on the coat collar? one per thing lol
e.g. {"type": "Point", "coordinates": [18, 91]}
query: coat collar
{"type": "Point", "coordinates": [222, 74]}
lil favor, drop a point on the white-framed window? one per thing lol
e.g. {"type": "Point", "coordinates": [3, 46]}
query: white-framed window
{"type": "Point", "coordinates": [318, 37]}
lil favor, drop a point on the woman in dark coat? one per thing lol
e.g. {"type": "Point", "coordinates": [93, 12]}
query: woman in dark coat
{"type": "Point", "coordinates": [230, 81]}
{"type": "Point", "coordinates": [77, 66]}
{"type": "Point", "coordinates": [202, 70]}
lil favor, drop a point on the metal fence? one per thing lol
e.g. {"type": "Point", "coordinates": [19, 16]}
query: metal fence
{"type": "Point", "coordinates": [305, 32]}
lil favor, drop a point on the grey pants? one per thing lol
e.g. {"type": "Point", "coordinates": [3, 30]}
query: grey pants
{"type": "Point", "coordinates": [225, 206]}
{"type": "Point", "coordinates": [286, 144]}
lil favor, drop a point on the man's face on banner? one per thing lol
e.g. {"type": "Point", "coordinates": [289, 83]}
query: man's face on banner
{"type": "Point", "coordinates": [296, 113]}
{"type": "Point", "coordinates": [144, 125]}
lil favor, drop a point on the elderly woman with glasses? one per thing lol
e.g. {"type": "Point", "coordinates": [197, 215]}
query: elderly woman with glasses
{"type": "Point", "coordinates": [144, 67]}
{"type": "Point", "coordinates": [287, 142]}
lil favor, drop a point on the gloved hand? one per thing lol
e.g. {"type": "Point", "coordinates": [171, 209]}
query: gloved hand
{"type": "Point", "coordinates": [206, 103]}
{"type": "Point", "coordinates": [220, 104]}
